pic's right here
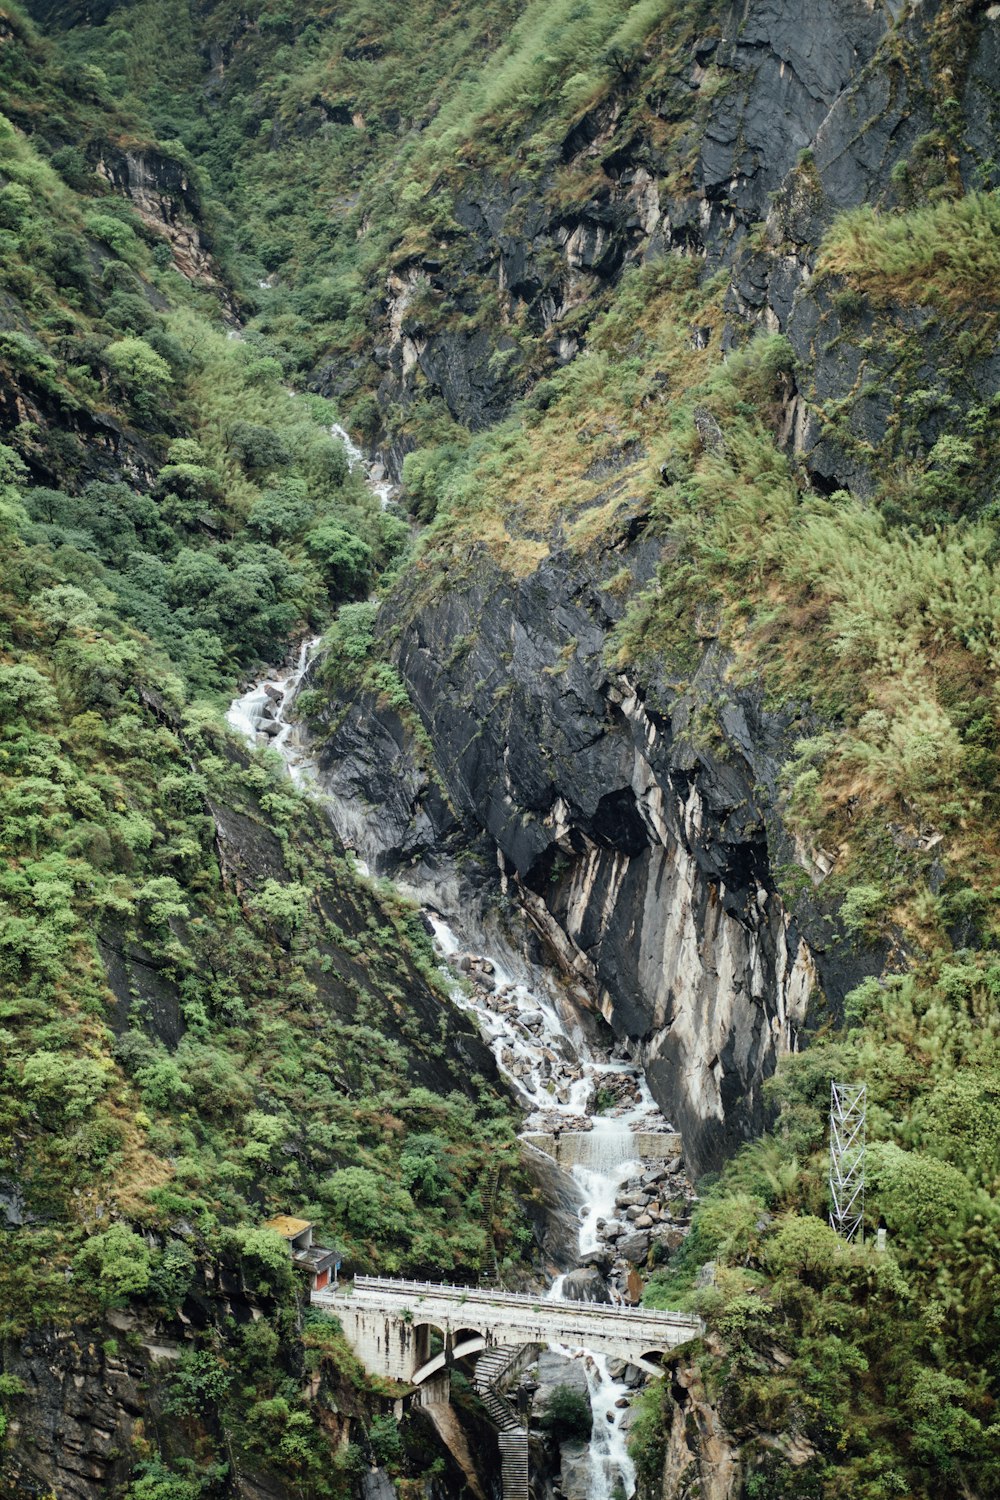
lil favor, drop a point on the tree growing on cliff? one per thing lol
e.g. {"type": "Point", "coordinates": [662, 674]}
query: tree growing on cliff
{"type": "Point", "coordinates": [567, 1414]}
{"type": "Point", "coordinates": [113, 1266]}
{"type": "Point", "coordinates": [139, 368]}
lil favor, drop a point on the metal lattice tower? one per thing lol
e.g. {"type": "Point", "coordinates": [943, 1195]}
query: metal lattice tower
{"type": "Point", "coordinates": [848, 1103]}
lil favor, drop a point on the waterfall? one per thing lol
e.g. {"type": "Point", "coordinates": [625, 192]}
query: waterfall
{"type": "Point", "coordinates": [551, 1068]}
{"type": "Point", "coordinates": [260, 716]}
{"type": "Point", "coordinates": [612, 1472]}
{"type": "Point", "coordinates": [374, 473]}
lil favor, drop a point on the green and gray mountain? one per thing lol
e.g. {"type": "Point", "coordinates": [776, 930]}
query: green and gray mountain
{"type": "Point", "coordinates": [675, 327]}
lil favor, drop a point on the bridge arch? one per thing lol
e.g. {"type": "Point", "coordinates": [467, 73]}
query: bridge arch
{"type": "Point", "coordinates": [412, 1330]}
{"type": "Point", "coordinates": [429, 1339]}
{"type": "Point", "coordinates": [467, 1343]}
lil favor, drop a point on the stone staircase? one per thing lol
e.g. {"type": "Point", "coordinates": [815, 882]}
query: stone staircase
{"type": "Point", "coordinates": [491, 1369]}
{"type": "Point", "coordinates": [490, 1274]}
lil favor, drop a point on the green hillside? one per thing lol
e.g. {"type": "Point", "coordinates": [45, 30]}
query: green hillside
{"type": "Point", "coordinates": [606, 293]}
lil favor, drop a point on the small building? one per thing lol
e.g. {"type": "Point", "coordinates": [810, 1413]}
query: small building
{"type": "Point", "coordinates": [319, 1264]}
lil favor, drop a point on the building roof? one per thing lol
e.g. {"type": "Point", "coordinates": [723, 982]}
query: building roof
{"type": "Point", "coordinates": [288, 1227]}
{"type": "Point", "coordinates": [316, 1259]}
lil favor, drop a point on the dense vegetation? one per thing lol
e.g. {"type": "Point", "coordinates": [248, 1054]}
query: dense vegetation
{"type": "Point", "coordinates": [881, 1364]}
{"type": "Point", "coordinates": [206, 1017]}
{"type": "Point", "coordinates": [171, 516]}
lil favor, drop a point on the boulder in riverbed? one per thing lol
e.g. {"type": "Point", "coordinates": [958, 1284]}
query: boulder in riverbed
{"type": "Point", "coordinates": [586, 1285]}
{"type": "Point", "coordinates": [634, 1247]}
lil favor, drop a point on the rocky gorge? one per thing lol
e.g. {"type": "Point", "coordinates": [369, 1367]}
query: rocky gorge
{"type": "Point", "coordinates": [608, 1181]}
{"type": "Point", "coordinates": [640, 856]}
{"type": "Point", "coordinates": [650, 654]}
{"type": "Point", "coordinates": [638, 816]}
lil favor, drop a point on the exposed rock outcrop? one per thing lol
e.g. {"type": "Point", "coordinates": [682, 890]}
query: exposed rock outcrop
{"type": "Point", "coordinates": [641, 845]}
{"type": "Point", "coordinates": [775, 121]}
{"type": "Point", "coordinates": [160, 189]}
{"type": "Point", "coordinates": [702, 1457]}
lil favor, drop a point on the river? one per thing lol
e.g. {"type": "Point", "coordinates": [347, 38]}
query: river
{"type": "Point", "coordinates": [594, 1105]}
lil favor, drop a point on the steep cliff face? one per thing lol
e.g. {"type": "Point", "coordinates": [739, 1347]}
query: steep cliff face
{"type": "Point", "coordinates": [642, 854]}
{"type": "Point", "coordinates": [167, 201]}
{"type": "Point", "coordinates": [702, 1459]}
{"type": "Point", "coordinates": [733, 138]}
{"type": "Point", "coordinates": [638, 813]}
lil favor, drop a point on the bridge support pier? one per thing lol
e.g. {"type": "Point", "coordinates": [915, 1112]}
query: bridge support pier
{"type": "Point", "coordinates": [436, 1391]}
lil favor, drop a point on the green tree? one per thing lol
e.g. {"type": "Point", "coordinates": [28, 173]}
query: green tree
{"type": "Point", "coordinates": [567, 1414]}
{"type": "Point", "coordinates": [63, 1086]}
{"type": "Point", "coordinates": [345, 560]}
{"type": "Point", "coordinates": [283, 906]}
{"type": "Point", "coordinates": [364, 1202]}
{"type": "Point", "coordinates": [258, 448]}
{"type": "Point", "coordinates": [113, 1266]}
{"type": "Point", "coordinates": [385, 1440]}
{"type": "Point", "coordinates": [161, 898]}
{"type": "Point", "coordinates": [137, 366]}
{"type": "Point", "coordinates": [24, 691]}
{"type": "Point", "coordinates": [156, 1482]}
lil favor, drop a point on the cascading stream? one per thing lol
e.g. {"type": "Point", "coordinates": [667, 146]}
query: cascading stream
{"type": "Point", "coordinates": [260, 716]}
{"type": "Point", "coordinates": [560, 1080]}
{"type": "Point", "coordinates": [375, 478]}
{"type": "Point", "coordinates": [555, 1074]}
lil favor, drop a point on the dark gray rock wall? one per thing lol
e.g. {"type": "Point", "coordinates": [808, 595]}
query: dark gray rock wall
{"type": "Point", "coordinates": [639, 821]}
{"type": "Point", "coordinates": [641, 849]}
{"type": "Point", "coordinates": [87, 1396]}
{"type": "Point", "coordinates": [779, 117]}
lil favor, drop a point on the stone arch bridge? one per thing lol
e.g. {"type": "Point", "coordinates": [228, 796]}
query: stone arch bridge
{"type": "Point", "coordinates": [391, 1325]}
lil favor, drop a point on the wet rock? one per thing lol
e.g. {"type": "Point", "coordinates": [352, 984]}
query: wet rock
{"type": "Point", "coordinates": [553, 1370]}
{"type": "Point", "coordinates": [12, 1205]}
{"type": "Point", "coordinates": [633, 1198]}
{"type": "Point", "coordinates": [635, 1247]}
{"type": "Point", "coordinates": [376, 1485]}
{"type": "Point", "coordinates": [586, 1285]}
{"type": "Point", "coordinates": [601, 1259]}
{"type": "Point", "coordinates": [553, 1210]}
{"type": "Point", "coordinates": [633, 1287]}
{"type": "Point", "coordinates": [575, 1477]}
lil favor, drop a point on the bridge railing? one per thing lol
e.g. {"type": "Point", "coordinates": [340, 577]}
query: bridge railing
{"type": "Point", "coordinates": [399, 1286]}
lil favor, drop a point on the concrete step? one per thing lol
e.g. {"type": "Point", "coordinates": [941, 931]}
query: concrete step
{"type": "Point", "coordinates": [491, 1270]}
{"type": "Point", "coordinates": [492, 1365]}
{"type": "Point", "coordinates": [514, 1465]}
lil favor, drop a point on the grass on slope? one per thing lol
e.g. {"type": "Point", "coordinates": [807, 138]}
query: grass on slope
{"type": "Point", "coordinates": [945, 253]}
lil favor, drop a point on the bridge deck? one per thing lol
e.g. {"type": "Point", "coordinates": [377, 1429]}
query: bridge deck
{"type": "Point", "coordinates": [562, 1319]}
